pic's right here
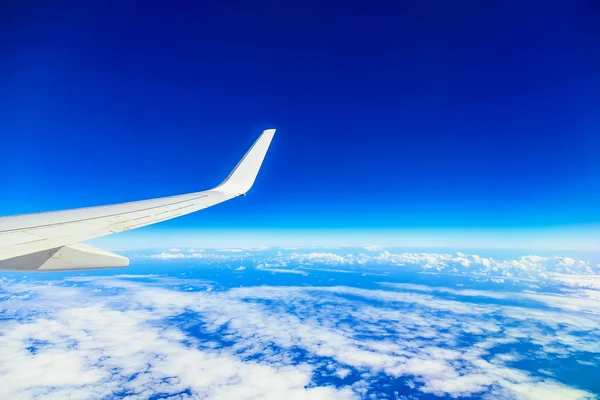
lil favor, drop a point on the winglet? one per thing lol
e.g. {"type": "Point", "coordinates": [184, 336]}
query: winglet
{"type": "Point", "coordinates": [241, 179]}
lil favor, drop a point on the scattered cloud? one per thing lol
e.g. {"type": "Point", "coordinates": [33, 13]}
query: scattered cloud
{"type": "Point", "coordinates": [563, 270]}
{"type": "Point", "coordinates": [122, 336]}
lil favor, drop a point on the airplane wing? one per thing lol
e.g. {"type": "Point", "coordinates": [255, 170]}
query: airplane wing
{"type": "Point", "coordinates": [51, 241]}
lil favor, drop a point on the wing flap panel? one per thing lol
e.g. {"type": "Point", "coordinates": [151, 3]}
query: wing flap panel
{"type": "Point", "coordinates": [79, 256]}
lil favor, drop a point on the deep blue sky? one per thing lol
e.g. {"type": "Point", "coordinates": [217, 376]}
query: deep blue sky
{"type": "Point", "coordinates": [420, 114]}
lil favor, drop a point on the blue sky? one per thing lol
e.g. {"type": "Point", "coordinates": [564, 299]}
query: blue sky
{"type": "Point", "coordinates": [421, 115]}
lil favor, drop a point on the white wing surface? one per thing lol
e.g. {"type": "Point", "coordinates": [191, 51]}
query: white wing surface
{"type": "Point", "coordinates": [51, 241]}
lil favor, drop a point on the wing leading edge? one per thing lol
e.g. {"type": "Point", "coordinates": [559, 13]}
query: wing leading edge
{"type": "Point", "coordinates": [51, 241]}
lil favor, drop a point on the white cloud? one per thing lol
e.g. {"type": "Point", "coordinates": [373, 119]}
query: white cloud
{"type": "Point", "coordinates": [341, 271]}
{"type": "Point", "coordinates": [168, 256]}
{"type": "Point", "coordinates": [86, 350]}
{"type": "Point", "coordinates": [546, 390]}
{"type": "Point", "coordinates": [563, 270]}
{"type": "Point", "coordinates": [282, 271]}
{"type": "Point", "coordinates": [578, 281]}
{"type": "Point", "coordinates": [197, 255]}
{"type": "Point", "coordinates": [103, 340]}
{"type": "Point", "coordinates": [577, 301]}
{"type": "Point", "coordinates": [373, 248]}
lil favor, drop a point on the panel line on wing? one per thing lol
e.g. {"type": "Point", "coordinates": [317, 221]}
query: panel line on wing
{"type": "Point", "coordinates": [108, 216]}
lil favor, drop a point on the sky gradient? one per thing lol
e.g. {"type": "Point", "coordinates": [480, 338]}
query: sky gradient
{"type": "Point", "coordinates": [419, 116]}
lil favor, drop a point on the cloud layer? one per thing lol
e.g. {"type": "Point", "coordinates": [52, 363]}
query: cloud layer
{"type": "Point", "coordinates": [135, 337]}
{"type": "Point", "coordinates": [564, 270]}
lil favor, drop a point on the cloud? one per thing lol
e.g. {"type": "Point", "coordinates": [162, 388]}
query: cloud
{"type": "Point", "coordinates": [87, 349]}
{"type": "Point", "coordinates": [202, 255]}
{"type": "Point", "coordinates": [282, 271]}
{"type": "Point", "coordinates": [526, 266]}
{"type": "Point", "coordinates": [168, 256]}
{"type": "Point", "coordinates": [578, 281]}
{"type": "Point", "coordinates": [341, 271]}
{"type": "Point", "coordinates": [558, 269]}
{"type": "Point", "coordinates": [373, 248]}
{"type": "Point", "coordinates": [135, 338]}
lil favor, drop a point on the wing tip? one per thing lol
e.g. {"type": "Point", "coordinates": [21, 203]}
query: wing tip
{"type": "Point", "coordinates": [242, 178]}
